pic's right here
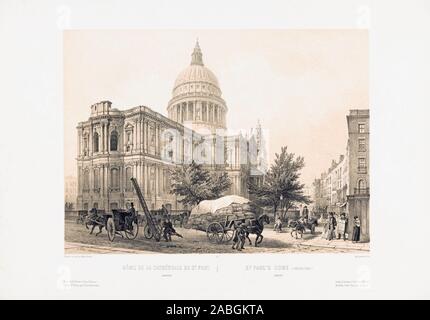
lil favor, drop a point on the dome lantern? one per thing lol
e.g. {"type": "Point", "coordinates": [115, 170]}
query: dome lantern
{"type": "Point", "coordinates": [197, 56]}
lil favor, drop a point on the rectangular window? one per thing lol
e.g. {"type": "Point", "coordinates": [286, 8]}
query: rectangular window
{"type": "Point", "coordinates": [361, 144]}
{"type": "Point", "coordinates": [362, 165]}
{"type": "Point", "coordinates": [361, 128]}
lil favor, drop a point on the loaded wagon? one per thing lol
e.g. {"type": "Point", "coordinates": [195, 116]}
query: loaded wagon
{"type": "Point", "coordinates": [219, 218]}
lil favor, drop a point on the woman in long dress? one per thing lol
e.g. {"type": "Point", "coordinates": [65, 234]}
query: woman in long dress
{"type": "Point", "coordinates": [356, 230]}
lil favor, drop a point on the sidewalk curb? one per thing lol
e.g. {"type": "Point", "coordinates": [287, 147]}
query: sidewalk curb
{"type": "Point", "coordinates": [332, 247]}
{"type": "Point", "coordinates": [78, 245]}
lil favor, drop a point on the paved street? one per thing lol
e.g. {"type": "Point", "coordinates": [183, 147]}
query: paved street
{"type": "Point", "coordinates": [79, 241]}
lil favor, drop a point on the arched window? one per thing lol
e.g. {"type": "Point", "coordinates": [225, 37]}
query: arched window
{"type": "Point", "coordinates": [361, 184]}
{"type": "Point", "coordinates": [128, 176]}
{"type": "Point", "coordinates": [85, 144]}
{"type": "Point", "coordinates": [96, 142]}
{"type": "Point", "coordinates": [114, 178]}
{"type": "Point", "coordinates": [114, 141]}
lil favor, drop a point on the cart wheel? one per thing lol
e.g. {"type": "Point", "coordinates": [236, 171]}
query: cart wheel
{"type": "Point", "coordinates": [110, 228]}
{"type": "Point", "coordinates": [147, 233]}
{"type": "Point", "coordinates": [132, 234]}
{"type": "Point", "coordinates": [228, 235]}
{"type": "Point", "coordinates": [215, 232]}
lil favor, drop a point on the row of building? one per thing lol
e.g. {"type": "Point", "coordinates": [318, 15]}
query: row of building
{"type": "Point", "coordinates": [344, 187]}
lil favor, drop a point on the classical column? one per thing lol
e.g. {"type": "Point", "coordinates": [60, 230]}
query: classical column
{"type": "Point", "coordinates": [141, 135]}
{"type": "Point", "coordinates": [147, 178]}
{"type": "Point", "coordinates": [135, 170]}
{"type": "Point", "coordinates": [194, 110]}
{"type": "Point", "coordinates": [159, 140]}
{"type": "Point", "coordinates": [142, 174]}
{"type": "Point", "coordinates": [79, 143]}
{"type": "Point", "coordinates": [101, 138]}
{"type": "Point", "coordinates": [156, 138]}
{"type": "Point", "coordinates": [147, 137]}
{"type": "Point", "coordinates": [136, 141]}
{"type": "Point", "coordinates": [124, 141]}
{"type": "Point", "coordinates": [107, 139]}
{"type": "Point", "coordinates": [157, 184]}
{"type": "Point", "coordinates": [90, 141]}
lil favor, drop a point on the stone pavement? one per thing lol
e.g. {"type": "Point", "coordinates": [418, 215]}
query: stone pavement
{"type": "Point", "coordinates": [81, 248]}
{"type": "Point", "coordinates": [334, 244]}
{"type": "Point", "coordinates": [316, 240]}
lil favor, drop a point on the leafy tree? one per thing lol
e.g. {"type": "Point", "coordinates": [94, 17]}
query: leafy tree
{"type": "Point", "coordinates": [193, 184]}
{"type": "Point", "coordinates": [281, 187]}
{"type": "Point", "coordinates": [220, 182]}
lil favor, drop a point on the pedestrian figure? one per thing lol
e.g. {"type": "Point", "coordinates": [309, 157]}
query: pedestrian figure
{"type": "Point", "coordinates": [129, 217]}
{"type": "Point", "coordinates": [325, 230]}
{"type": "Point", "coordinates": [356, 230]}
{"type": "Point", "coordinates": [305, 212]}
{"type": "Point", "coordinates": [169, 230]}
{"type": "Point", "coordinates": [341, 226]}
{"type": "Point", "coordinates": [278, 225]}
{"type": "Point", "coordinates": [239, 236]}
{"type": "Point", "coordinates": [331, 226]}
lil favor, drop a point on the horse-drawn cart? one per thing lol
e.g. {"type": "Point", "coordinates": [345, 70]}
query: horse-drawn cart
{"type": "Point", "coordinates": [219, 232]}
{"type": "Point", "coordinates": [220, 218]}
{"type": "Point", "coordinates": [121, 221]}
{"type": "Point", "coordinates": [298, 228]}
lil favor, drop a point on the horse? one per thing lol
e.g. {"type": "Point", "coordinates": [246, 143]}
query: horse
{"type": "Point", "coordinates": [299, 227]}
{"type": "Point", "coordinates": [182, 218]}
{"type": "Point", "coordinates": [95, 220]}
{"type": "Point", "coordinates": [309, 224]}
{"type": "Point", "coordinates": [256, 226]}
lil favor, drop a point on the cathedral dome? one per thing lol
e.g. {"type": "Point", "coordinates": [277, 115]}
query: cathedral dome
{"type": "Point", "coordinates": [196, 78]}
{"type": "Point", "coordinates": [196, 97]}
{"type": "Point", "coordinates": [196, 73]}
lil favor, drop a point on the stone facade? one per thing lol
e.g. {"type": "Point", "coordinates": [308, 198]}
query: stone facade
{"type": "Point", "coordinates": [344, 187]}
{"type": "Point", "coordinates": [115, 145]}
{"type": "Point", "coordinates": [359, 190]}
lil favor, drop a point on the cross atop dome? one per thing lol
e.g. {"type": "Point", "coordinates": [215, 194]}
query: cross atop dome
{"type": "Point", "coordinates": [197, 56]}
